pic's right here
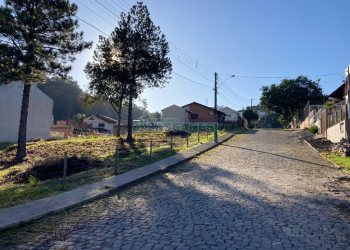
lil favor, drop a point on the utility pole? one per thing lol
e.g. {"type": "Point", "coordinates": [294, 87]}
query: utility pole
{"type": "Point", "coordinates": [251, 103]}
{"type": "Point", "coordinates": [215, 107]}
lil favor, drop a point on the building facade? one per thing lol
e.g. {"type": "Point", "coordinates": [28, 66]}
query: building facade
{"type": "Point", "coordinates": [231, 115]}
{"type": "Point", "coordinates": [40, 116]}
{"type": "Point", "coordinates": [201, 113]}
{"type": "Point", "coordinates": [100, 122]}
{"type": "Point", "coordinates": [175, 113]}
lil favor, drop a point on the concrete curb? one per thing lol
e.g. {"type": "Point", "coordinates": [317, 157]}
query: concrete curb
{"type": "Point", "coordinates": [334, 164]}
{"type": "Point", "coordinates": [21, 214]}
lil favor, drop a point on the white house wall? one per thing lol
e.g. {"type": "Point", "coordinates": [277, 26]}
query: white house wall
{"type": "Point", "coordinates": [39, 112]}
{"type": "Point", "coordinates": [175, 113]}
{"type": "Point", "coordinates": [231, 115]}
{"type": "Point", "coordinates": [337, 132]}
{"type": "Point", "coordinates": [94, 123]}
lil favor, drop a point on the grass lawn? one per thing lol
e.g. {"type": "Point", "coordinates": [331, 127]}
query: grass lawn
{"type": "Point", "coordinates": [341, 161]}
{"type": "Point", "coordinates": [90, 159]}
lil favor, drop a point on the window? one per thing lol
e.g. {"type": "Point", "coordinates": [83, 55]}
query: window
{"type": "Point", "coordinates": [194, 116]}
{"type": "Point", "coordinates": [211, 113]}
{"type": "Point", "coordinates": [101, 125]}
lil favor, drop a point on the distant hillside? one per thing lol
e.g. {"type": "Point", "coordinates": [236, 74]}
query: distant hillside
{"type": "Point", "coordinates": [67, 94]}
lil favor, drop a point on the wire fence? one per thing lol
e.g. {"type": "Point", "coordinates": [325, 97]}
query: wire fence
{"type": "Point", "coordinates": [52, 166]}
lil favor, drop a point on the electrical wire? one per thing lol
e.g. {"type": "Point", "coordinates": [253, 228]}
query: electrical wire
{"type": "Point", "coordinates": [198, 83]}
{"type": "Point", "coordinates": [107, 9]}
{"type": "Point", "coordinates": [228, 99]}
{"type": "Point", "coordinates": [91, 10]}
{"type": "Point", "coordinates": [91, 25]}
{"type": "Point", "coordinates": [283, 77]}
{"type": "Point", "coordinates": [119, 6]}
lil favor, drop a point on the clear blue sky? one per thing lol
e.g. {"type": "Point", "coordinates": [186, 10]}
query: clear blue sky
{"type": "Point", "coordinates": [241, 37]}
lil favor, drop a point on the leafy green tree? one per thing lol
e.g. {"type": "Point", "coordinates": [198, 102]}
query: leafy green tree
{"type": "Point", "coordinates": [78, 118]}
{"type": "Point", "coordinates": [37, 38]}
{"type": "Point", "coordinates": [107, 78]}
{"type": "Point", "coordinates": [270, 120]}
{"type": "Point", "coordinates": [143, 54]}
{"type": "Point", "coordinates": [290, 96]}
{"type": "Point", "coordinates": [156, 116]}
{"type": "Point", "coordinates": [250, 116]}
{"type": "Point", "coordinates": [66, 95]}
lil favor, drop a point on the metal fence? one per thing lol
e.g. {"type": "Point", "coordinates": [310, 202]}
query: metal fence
{"type": "Point", "coordinates": [309, 108]}
{"type": "Point", "coordinates": [336, 114]}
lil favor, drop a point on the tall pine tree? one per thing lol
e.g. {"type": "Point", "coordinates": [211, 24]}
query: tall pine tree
{"type": "Point", "coordinates": [37, 38]}
{"type": "Point", "coordinates": [143, 53]}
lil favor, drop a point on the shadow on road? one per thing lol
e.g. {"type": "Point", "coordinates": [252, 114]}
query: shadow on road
{"type": "Point", "coordinates": [283, 156]}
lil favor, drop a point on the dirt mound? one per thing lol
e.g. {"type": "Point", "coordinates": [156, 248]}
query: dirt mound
{"type": "Point", "coordinates": [342, 148]}
{"type": "Point", "coordinates": [53, 168]}
{"type": "Point", "coordinates": [321, 144]}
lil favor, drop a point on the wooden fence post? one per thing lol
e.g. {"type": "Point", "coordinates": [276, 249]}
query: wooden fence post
{"type": "Point", "coordinates": [116, 158]}
{"type": "Point", "coordinates": [171, 142]}
{"type": "Point", "coordinates": [207, 132]}
{"type": "Point", "coordinates": [198, 139]}
{"type": "Point", "coordinates": [150, 149]}
{"type": "Point", "coordinates": [64, 169]}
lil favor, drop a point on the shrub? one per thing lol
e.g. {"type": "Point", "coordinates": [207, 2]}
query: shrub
{"type": "Point", "coordinates": [33, 181]}
{"type": "Point", "coordinates": [313, 129]}
{"type": "Point", "coordinates": [180, 133]}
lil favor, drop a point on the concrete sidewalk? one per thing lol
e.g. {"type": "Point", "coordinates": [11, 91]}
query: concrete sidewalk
{"type": "Point", "coordinates": [17, 215]}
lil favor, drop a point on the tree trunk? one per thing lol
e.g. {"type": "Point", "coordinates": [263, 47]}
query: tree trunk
{"type": "Point", "coordinates": [22, 132]}
{"type": "Point", "coordinates": [129, 137]}
{"type": "Point", "coordinates": [119, 120]}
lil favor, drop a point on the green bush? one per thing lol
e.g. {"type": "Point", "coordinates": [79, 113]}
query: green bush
{"type": "Point", "coordinates": [33, 181]}
{"type": "Point", "coordinates": [313, 129]}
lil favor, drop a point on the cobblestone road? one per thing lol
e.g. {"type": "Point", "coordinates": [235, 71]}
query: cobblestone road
{"type": "Point", "coordinates": [263, 190]}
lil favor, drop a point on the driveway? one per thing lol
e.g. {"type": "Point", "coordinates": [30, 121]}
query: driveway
{"type": "Point", "coordinates": [260, 190]}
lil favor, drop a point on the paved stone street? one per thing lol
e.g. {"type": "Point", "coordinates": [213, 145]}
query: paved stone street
{"type": "Point", "coordinates": [263, 190]}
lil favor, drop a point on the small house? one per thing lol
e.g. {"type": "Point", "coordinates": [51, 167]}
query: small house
{"type": "Point", "coordinates": [100, 122]}
{"type": "Point", "coordinates": [175, 113]}
{"type": "Point", "coordinates": [230, 115]}
{"type": "Point", "coordinates": [201, 113]}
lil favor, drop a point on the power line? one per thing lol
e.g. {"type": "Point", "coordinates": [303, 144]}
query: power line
{"type": "Point", "coordinates": [188, 67]}
{"type": "Point", "coordinates": [113, 7]}
{"type": "Point", "coordinates": [87, 7]}
{"type": "Point", "coordinates": [284, 77]}
{"type": "Point", "coordinates": [107, 8]}
{"type": "Point", "coordinates": [238, 97]}
{"type": "Point", "coordinates": [125, 4]}
{"type": "Point", "coordinates": [91, 25]}
{"type": "Point", "coordinates": [198, 83]}
{"type": "Point", "coordinates": [119, 6]}
{"type": "Point", "coordinates": [176, 54]}
{"type": "Point", "coordinates": [180, 50]}
{"type": "Point", "coordinates": [235, 104]}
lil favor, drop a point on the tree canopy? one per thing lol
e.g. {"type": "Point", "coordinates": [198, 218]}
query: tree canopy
{"type": "Point", "coordinates": [37, 38]}
{"type": "Point", "coordinates": [290, 97]}
{"type": "Point", "coordinates": [108, 80]}
{"type": "Point", "coordinates": [250, 116]}
{"type": "Point", "coordinates": [68, 97]}
{"type": "Point", "coordinates": [142, 52]}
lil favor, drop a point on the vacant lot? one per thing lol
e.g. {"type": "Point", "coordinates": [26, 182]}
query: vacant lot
{"type": "Point", "coordinates": [89, 159]}
{"type": "Point", "coordinates": [259, 190]}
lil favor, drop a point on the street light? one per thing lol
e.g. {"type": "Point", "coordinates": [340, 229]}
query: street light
{"type": "Point", "coordinates": [216, 105]}
{"type": "Point", "coordinates": [232, 76]}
